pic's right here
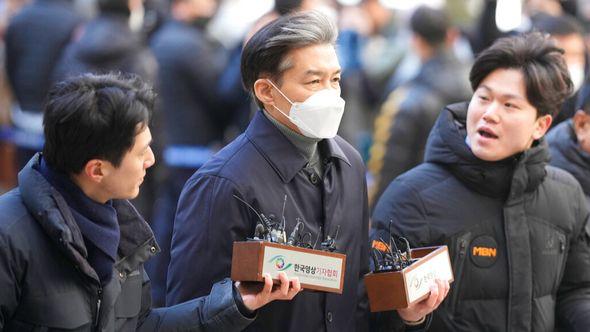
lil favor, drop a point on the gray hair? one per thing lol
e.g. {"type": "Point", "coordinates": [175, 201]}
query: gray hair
{"type": "Point", "coordinates": [266, 52]}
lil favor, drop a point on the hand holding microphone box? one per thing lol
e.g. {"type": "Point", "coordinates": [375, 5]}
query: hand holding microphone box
{"type": "Point", "coordinates": [402, 278]}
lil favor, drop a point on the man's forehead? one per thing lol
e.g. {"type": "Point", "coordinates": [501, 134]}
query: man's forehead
{"type": "Point", "coordinates": [313, 59]}
{"type": "Point", "coordinates": [508, 82]}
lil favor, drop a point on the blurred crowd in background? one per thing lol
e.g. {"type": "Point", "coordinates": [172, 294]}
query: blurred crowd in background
{"type": "Point", "coordinates": [400, 67]}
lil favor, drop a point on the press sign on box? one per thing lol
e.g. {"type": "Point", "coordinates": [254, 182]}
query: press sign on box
{"type": "Point", "coordinates": [418, 280]}
{"type": "Point", "coordinates": [323, 271]}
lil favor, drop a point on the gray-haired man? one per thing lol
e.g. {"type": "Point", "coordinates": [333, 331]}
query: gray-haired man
{"type": "Point", "coordinates": [290, 148]}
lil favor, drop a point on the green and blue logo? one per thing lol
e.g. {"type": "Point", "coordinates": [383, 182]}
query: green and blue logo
{"type": "Point", "coordinates": [279, 262]}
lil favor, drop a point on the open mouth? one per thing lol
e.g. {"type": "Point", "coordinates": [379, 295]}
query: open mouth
{"type": "Point", "coordinates": [484, 132]}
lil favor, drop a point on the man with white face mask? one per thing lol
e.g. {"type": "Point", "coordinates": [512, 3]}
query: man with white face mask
{"type": "Point", "coordinates": [568, 34]}
{"type": "Point", "coordinates": [290, 149]}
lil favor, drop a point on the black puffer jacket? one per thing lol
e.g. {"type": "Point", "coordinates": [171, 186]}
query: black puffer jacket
{"type": "Point", "coordinates": [406, 118]}
{"type": "Point", "coordinates": [566, 154]}
{"type": "Point", "coordinates": [107, 44]}
{"type": "Point", "coordinates": [46, 284]}
{"type": "Point", "coordinates": [517, 231]}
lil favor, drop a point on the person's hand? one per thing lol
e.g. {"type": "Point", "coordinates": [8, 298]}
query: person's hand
{"type": "Point", "coordinates": [419, 310]}
{"type": "Point", "coordinates": [256, 295]}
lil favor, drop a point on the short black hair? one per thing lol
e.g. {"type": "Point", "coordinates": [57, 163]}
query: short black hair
{"type": "Point", "coordinates": [541, 62]}
{"type": "Point", "coordinates": [430, 24]}
{"type": "Point", "coordinates": [94, 116]}
{"type": "Point", "coordinates": [265, 54]}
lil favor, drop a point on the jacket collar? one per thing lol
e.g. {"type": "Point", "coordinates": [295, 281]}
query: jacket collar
{"type": "Point", "coordinates": [52, 212]}
{"type": "Point", "coordinates": [281, 153]}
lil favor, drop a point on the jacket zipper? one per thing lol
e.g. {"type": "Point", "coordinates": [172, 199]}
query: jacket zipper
{"type": "Point", "coordinates": [460, 261]}
{"type": "Point", "coordinates": [98, 303]}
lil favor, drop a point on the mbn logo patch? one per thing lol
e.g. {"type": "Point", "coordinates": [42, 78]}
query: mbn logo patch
{"type": "Point", "coordinates": [483, 251]}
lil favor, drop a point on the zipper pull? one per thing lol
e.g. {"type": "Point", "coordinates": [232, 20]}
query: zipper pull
{"type": "Point", "coordinates": [98, 303]}
{"type": "Point", "coordinates": [462, 247]}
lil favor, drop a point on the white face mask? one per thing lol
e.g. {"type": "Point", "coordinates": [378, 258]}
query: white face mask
{"type": "Point", "coordinates": [577, 75]}
{"type": "Point", "coordinates": [319, 115]}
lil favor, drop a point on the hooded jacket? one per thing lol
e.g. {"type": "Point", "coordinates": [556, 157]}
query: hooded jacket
{"type": "Point", "coordinates": [46, 282]}
{"type": "Point", "coordinates": [517, 232]}
{"type": "Point", "coordinates": [567, 154]}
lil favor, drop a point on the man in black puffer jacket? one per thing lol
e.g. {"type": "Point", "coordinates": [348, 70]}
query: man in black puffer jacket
{"type": "Point", "coordinates": [570, 142]}
{"type": "Point", "coordinates": [517, 229]}
{"type": "Point", "coordinates": [72, 247]}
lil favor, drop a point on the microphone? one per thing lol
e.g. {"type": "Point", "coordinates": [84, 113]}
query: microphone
{"type": "Point", "coordinates": [293, 234]}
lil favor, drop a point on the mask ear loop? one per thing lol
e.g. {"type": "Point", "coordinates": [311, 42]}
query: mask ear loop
{"type": "Point", "coordinates": [279, 90]}
{"type": "Point", "coordinates": [289, 100]}
{"type": "Point", "coordinates": [282, 94]}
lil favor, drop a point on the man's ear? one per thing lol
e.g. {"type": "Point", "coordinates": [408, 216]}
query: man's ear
{"type": "Point", "coordinates": [95, 170]}
{"type": "Point", "coordinates": [263, 91]}
{"type": "Point", "coordinates": [542, 125]}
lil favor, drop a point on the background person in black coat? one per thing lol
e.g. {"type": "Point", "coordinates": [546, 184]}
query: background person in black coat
{"type": "Point", "coordinates": [570, 142]}
{"type": "Point", "coordinates": [517, 229]}
{"type": "Point", "coordinates": [195, 112]}
{"type": "Point", "coordinates": [108, 44]}
{"type": "Point", "coordinates": [35, 39]}
{"type": "Point", "coordinates": [408, 114]}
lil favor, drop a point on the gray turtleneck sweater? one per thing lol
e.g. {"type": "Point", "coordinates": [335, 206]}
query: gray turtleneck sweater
{"type": "Point", "coordinates": [307, 146]}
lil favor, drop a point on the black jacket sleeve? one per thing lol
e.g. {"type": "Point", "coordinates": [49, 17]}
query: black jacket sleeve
{"type": "Point", "coordinates": [9, 288]}
{"type": "Point", "coordinates": [573, 296]}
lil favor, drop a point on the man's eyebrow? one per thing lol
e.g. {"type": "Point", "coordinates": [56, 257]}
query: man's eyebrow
{"type": "Point", "coordinates": [505, 95]}
{"type": "Point", "coordinates": [312, 72]}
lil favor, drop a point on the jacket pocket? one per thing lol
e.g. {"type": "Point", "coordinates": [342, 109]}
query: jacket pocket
{"type": "Point", "coordinates": [460, 245]}
{"type": "Point", "coordinates": [549, 248]}
{"type": "Point", "coordinates": [129, 301]}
